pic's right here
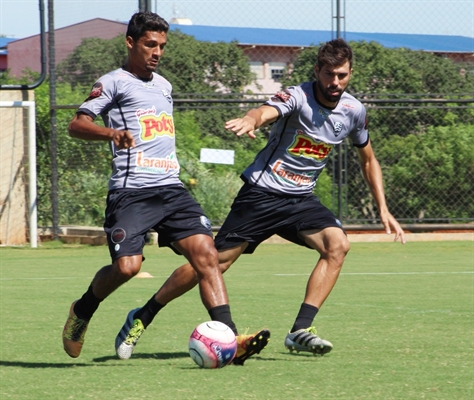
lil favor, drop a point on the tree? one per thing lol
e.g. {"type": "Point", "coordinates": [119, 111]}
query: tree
{"type": "Point", "coordinates": [419, 147]}
{"type": "Point", "coordinates": [196, 69]}
{"type": "Point", "coordinates": [193, 67]}
{"type": "Point", "coordinates": [380, 70]}
{"type": "Point", "coordinates": [83, 167]}
{"type": "Point", "coordinates": [383, 73]}
{"type": "Point", "coordinates": [93, 58]}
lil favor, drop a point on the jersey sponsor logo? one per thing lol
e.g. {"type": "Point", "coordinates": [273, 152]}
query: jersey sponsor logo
{"type": "Point", "coordinates": [153, 126]}
{"type": "Point", "coordinates": [282, 96]}
{"type": "Point", "coordinates": [304, 146]}
{"type": "Point", "coordinates": [289, 176]}
{"type": "Point", "coordinates": [96, 91]}
{"type": "Point", "coordinates": [324, 113]}
{"type": "Point", "coordinates": [155, 165]}
{"type": "Point", "coordinates": [347, 105]}
{"type": "Point", "coordinates": [149, 85]}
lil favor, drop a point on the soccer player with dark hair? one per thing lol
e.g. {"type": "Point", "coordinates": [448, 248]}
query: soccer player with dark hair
{"type": "Point", "coordinates": [145, 192]}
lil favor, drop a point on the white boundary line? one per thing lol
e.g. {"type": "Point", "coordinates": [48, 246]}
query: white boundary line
{"type": "Point", "coordinates": [348, 273]}
{"type": "Point", "coordinates": [389, 273]}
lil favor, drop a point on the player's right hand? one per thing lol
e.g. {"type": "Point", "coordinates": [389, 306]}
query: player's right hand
{"type": "Point", "coordinates": [242, 125]}
{"type": "Point", "coordinates": [123, 140]}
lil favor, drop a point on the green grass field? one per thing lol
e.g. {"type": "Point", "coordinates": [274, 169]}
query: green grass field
{"type": "Point", "coordinates": [400, 319]}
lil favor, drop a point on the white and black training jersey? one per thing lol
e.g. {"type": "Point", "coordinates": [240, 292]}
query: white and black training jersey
{"type": "Point", "coordinates": [145, 109]}
{"type": "Point", "coordinates": [302, 138]}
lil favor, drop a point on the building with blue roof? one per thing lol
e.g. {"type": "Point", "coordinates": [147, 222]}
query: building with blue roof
{"type": "Point", "coordinates": [4, 52]}
{"type": "Point", "coordinates": [269, 51]}
{"type": "Point", "coordinates": [306, 38]}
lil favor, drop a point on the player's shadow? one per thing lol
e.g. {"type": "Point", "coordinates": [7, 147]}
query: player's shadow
{"type": "Point", "coordinates": [24, 364]}
{"type": "Point", "coordinates": [144, 356]}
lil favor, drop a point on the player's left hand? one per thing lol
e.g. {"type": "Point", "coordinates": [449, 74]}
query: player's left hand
{"type": "Point", "coordinates": [123, 139]}
{"type": "Point", "coordinates": [390, 223]}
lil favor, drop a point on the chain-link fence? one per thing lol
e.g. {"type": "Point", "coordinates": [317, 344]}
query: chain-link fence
{"type": "Point", "coordinates": [421, 116]}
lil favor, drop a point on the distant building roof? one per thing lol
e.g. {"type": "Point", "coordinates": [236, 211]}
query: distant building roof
{"type": "Point", "coordinates": [4, 41]}
{"type": "Point", "coordinates": [305, 38]}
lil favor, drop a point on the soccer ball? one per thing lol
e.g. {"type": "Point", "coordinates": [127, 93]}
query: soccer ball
{"type": "Point", "coordinates": [212, 345]}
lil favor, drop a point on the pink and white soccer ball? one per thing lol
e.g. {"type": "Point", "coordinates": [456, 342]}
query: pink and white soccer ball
{"type": "Point", "coordinates": [212, 345]}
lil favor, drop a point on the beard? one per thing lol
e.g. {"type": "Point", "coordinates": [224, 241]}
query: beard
{"type": "Point", "coordinates": [325, 92]}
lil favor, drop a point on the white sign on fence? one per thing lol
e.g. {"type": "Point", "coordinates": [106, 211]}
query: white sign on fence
{"type": "Point", "coordinates": [217, 156]}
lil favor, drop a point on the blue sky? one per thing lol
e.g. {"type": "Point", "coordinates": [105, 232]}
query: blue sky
{"type": "Point", "coordinates": [20, 18]}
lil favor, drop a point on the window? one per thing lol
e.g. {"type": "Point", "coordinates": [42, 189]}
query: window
{"type": "Point", "coordinates": [276, 70]}
{"type": "Point", "coordinates": [256, 67]}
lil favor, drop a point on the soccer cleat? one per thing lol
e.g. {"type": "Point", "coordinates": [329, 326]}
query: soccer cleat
{"type": "Point", "coordinates": [307, 340]}
{"type": "Point", "coordinates": [73, 333]}
{"type": "Point", "coordinates": [248, 345]}
{"type": "Point", "coordinates": [128, 336]}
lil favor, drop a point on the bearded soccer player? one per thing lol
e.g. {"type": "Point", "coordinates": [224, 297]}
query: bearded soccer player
{"type": "Point", "coordinates": [277, 198]}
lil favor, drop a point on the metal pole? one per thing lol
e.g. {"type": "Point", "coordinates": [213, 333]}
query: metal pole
{"type": "Point", "coordinates": [339, 147]}
{"type": "Point", "coordinates": [52, 113]}
{"type": "Point", "coordinates": [33, 210]}
{"type": "Point", "coordinates": [144, 5]}
{"type": "Point", "coordinates": [43, 57]}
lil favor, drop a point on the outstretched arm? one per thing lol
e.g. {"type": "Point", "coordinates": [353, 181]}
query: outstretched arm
{"type": "Point", "coordinates": [373, 176]}
{"type": "Point", "coordinates": [253, 119]}
{"type": "Point", "coordinates": [82, 126]}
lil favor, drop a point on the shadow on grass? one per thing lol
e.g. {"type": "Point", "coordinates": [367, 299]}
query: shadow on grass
{"type": "Point", "coordinates": [136, 356]}
{"type": "Point", "coordinates": [303, 355]}
{"type": "Point", "coordinates": [143, 356]}
{"type": "Point", "coordinates": [24, 364]}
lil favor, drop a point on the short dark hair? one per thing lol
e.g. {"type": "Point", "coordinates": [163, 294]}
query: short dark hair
{"type": "Point", "coordinates": [334, 53]}
{"type": "Point", "coordinates": [145, 21]}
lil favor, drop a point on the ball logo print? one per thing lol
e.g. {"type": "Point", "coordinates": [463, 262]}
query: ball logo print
{"type": "Point", "coordinates": [212, 345]}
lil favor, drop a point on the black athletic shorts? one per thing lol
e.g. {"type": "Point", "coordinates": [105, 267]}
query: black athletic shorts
{"type": "Point", "coordinates": [169, 210]}
{"type": "Point", "coordinates": [256, 215]}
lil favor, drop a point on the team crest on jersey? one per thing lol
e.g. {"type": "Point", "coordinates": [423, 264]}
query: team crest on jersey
{"type": "Point", "coordinates": [337, 128]}
{"type": "Point", "coordinates": [282, 96]}
{"type": "Point", "coordinates": [96, 91]}
{"type": "Point", "coordinates": [118, 235]}
{"type": "Point", "coordinates": [167, 95]}
{"type": "Point", "coordinates": [205, 222]}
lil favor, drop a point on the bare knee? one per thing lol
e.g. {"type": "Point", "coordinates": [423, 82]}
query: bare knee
{"type": "Point", "coordinates": [336, 249]}
{"type": "Point", "coordinates": [200, 252]}
{"type": "Point", "coordinates": [128, 267]}
{"type": "Point", "coordinates": [205, 259]}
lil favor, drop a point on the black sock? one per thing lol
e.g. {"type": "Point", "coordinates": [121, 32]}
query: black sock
{"type": "Point", "coordinates": [86, 306]}
{"type": "Point", "coordinates": [222, 314]}
{"type": "Point", "coordinates": [148, 311]}
{"type": "Point", "coordinates": [305, 317]}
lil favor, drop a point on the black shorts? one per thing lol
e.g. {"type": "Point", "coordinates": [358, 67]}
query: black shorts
{"type": "Point", "coordinates": [169, 210]}
{"type": "Point", "coordinates": [256, 215]}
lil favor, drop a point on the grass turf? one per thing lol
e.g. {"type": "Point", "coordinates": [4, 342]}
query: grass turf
{"type": "Point", "coordinates": [400, 318]}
